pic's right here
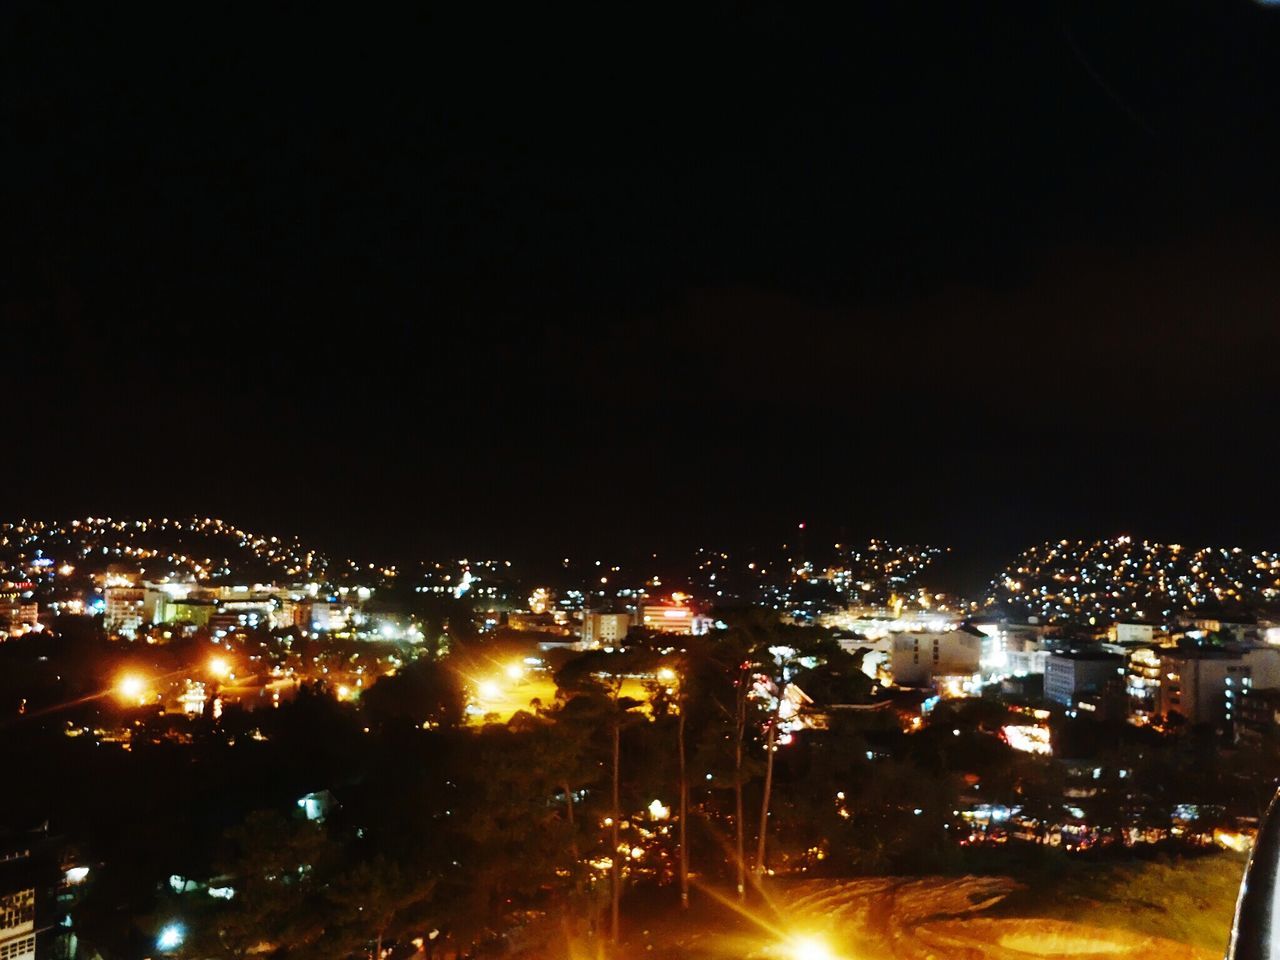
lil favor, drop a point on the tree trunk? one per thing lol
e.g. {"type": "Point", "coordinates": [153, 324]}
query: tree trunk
{"type": "Point", "coordinates": [615, 866]}
{"type": "Point", "coordinates": [739, 816]}
{"type": "Point", "coordinates": [573, 839]}
{"type": "Point", "coordinates": [769, 750]}
{"type": "Point", "coordinates": [684, 816]}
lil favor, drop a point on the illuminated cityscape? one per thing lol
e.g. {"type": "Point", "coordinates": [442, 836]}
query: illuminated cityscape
{"type": "Point", "coordinates": [883, 725]}
{"type": "Point", "coordinates": [748, 481]}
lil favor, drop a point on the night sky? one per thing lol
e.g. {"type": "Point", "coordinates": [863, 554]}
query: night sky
{"type": "Point", "coordinates": [533, 280]}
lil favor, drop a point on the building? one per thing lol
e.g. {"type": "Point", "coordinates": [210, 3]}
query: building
{"type": "Point", "coordinates": [920, 659]}
{"type": "Point", "coordinates": [604, 629]}
{"type": "Point", "coordinates": [17, 906]}
{"type": "Point", "coordinates": [549, 621]}
{"type": "Point", "coordinates": [17, 615]}
{"type": "Point", "coordinates": [1206, 685]}
{"type": "Point", "coordinates": [243, 613]}
{"type": "Point", "coordinates": [1009, 649]}
{"type": "Point", "coordinates": [1025, 657]}
{"type": "Point", "coordinates": [1201, 625]}
{"type": "Point", "coordinates": [326, 615]}
{"type": "Point", "coordinates": [192, 610]}
{"type": "Point", "coordinates": [1079, 674]}
{"type": "Point", "coordinates": [876, 653]}
{"type": "Point", "coordinates": [670, 618]}
{"type": "Point", "coordinates": [1129, 633]}
{"type": "Point", "coordinates": [124, 610]}
{"type": "Point", "coordinates": [1259, 718]}
{"type": "Point", "coordinates": [1142, 684]}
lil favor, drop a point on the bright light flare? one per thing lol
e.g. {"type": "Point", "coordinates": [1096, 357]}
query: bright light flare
{"type": "Point", "coordinates": [489, 690]}
{"type": "Point", "coordinates": [219, 667]}
{"type": "Point", "coordinates": [514, 671]}
{"type": "Point", "coordinates": [808, 948]}
{"type": "Point", "coordinates": [132, 687]}
{"type": "Point", "coordinates": [1028, 738]}
{"type": "Point", "coordinates": [171, 937]}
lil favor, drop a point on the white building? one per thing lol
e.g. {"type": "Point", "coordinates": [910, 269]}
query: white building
{"type": "Point", "coordinates": [1126, 633]}
{"type": "Point", "coordinates": [1010, 649]}
{"type": "Point", "coordinates": [604, 629]}
{"type": "Point", "coordinates": [920, 658]}
{"type": "Point", "coordinates": [1206, 686]}
{"type": "Point", "coordinates": [125, 610]}
{"type": "Point", "coordinates": [878, 652]}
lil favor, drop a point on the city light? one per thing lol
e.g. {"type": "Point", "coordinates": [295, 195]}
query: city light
{"type": "Point", "coordinates": [809, 948]}
{"type": "Point", "coordinates": [171, 937]}
{"type": "Point", "coordinates": [219, 667]}
{"type": "Point", "coordinates": [489, 690]}
{"type": "Point", "coordinates": [514, 671]}
{"type": "Point", "coordinates": [1028, 739]}
{"type": "Point", "coordinates": [132, 688]}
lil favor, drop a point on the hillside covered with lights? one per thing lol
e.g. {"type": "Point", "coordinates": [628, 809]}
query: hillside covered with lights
{"type": "Point", "coordinates": [202, 548]}
{"type": "Point", "coordinates": [1104, 581]}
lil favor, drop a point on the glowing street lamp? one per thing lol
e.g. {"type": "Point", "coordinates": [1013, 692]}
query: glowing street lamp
{"type": "Point", "coordinates": [219, 667]}
{"type": "Point", "coordinates": [132, 687]}
{"type": "Point", "coordinates": [514, 671]}
{"type": "Point", "coordinates": [170, 937]}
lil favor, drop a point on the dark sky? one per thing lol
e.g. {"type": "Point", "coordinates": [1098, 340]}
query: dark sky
{"type": "Point", "coordinates": [473, 279]}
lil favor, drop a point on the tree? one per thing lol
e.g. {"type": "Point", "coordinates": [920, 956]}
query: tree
{"type": "Point", "coordinates": [277, 867]}
{"type": "Point", "coordinates": [596, 678]}
{"type": "Point", "coordinates": [365, 900]}
{"type": "Point", "coordinates": [424, 691]}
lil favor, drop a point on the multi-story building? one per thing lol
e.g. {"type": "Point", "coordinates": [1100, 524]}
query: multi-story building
{"type": "Point", "coordinates": [605, 629]}
{"type": "Point", "coordinates": [193, 610]}
{"type": "Point", "coordinates": [17, 906]}
{"type": "Point", "coordinates": [919, 659]}
{"type": "Point", "coordinates": [1142, 684]}
{"type": "Point", "coordinates": [1258, 718]}
{"type": "Point", "coordinates": [1128, 633]}
{"type": "Point", "coordinates": [324, 615]}
{"type": "Point", "coordinates": [1024, 656]}
{"type": "Point", "coordinates": [1207, 685]}
{"type": "Point", "coordinates": [1201, 625]}
{"type": "Point", "coordinates": [670, 618]}
{"type": "Point", "coordinates": [125, 610]}
{"type": "Point", "coordinates": [17, 614]}
{"type": "Point", "coordinates": [1074, 675]}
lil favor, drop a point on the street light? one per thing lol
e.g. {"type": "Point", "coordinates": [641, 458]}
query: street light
{"type": "Point", "coordinates": [171, 937]}
{"type": "Point", "coordinates": [219, 667]}
{"type": "Point", "coordinates": [132, 687]}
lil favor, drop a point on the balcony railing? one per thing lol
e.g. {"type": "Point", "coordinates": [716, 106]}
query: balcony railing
{"type": "Point", "coordinates": [1255, 934]}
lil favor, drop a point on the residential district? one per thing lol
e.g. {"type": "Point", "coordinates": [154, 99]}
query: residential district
{"type": "Point", "coordinates": [436, 759]}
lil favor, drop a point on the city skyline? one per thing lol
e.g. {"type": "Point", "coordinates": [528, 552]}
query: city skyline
{"type": "Point", "coordinates": [752, 480]}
